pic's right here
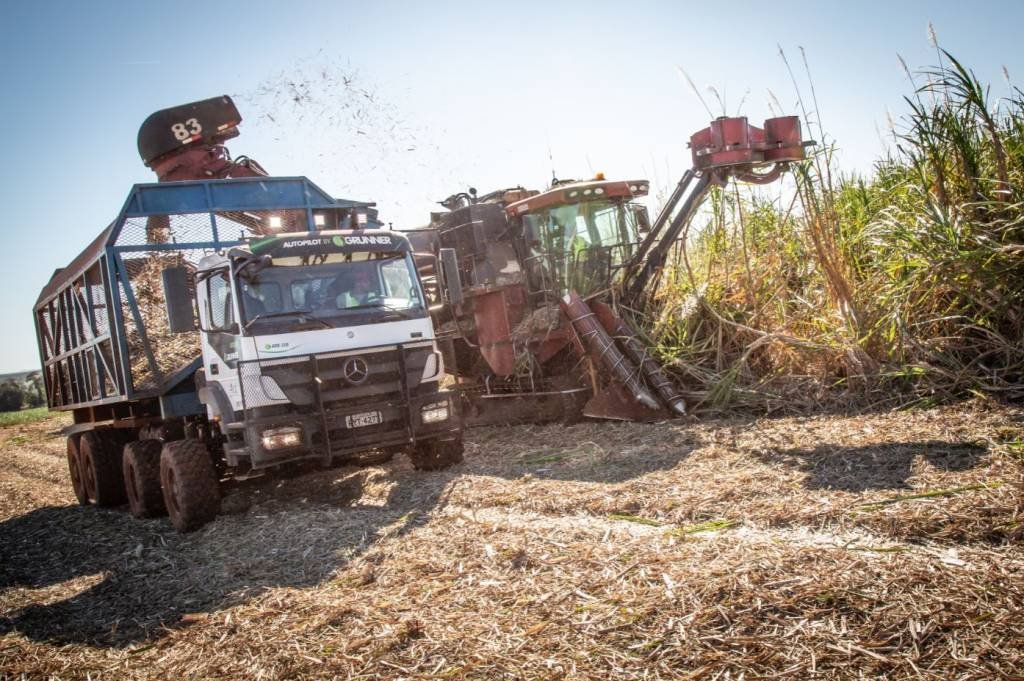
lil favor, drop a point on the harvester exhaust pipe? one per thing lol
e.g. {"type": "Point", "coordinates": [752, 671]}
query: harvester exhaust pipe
{"type": "Point", "coordinates": [602, 348]}
{"type": "Point", "coordinates": [641, 356]}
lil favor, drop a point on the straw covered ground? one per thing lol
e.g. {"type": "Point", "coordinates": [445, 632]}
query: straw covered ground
{"type": "Point", "coordinates": [832, 546]}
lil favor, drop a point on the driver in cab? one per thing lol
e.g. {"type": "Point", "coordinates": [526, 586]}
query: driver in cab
{"type": "Point", "coordinates": [352, 289]}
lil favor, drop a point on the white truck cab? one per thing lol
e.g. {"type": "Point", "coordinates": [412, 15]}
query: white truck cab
{"type": "Point", "coordinates": [320, 345]}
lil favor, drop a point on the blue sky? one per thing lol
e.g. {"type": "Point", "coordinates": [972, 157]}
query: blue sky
{"type": "Point", "coordinates": [440, 96]}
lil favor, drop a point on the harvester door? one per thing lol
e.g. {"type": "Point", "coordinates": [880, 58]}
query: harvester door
{"type": "Point", "coordinates": [220, 333]}
{"type": "Point", "coordinates": [450, 269]}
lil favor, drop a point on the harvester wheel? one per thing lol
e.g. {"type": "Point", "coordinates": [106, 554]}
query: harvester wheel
{"type": "Point", "coordinates": [100, 465]}
{"type": "Point", "coordinates": [75, 469]}
{"type": "Point", "coordinates": [190, 486]}
{"type": "Point", "coordinates": [141, 464]}
{"type": "Point", "coordinates": [434, 455]}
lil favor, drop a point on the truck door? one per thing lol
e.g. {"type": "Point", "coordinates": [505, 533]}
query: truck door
{"type": "Point", "coordinates": [220, 333]}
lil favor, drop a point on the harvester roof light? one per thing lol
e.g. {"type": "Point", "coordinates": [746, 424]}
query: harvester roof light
{"type": "Point", "coordinates": [632, 187]}
{"type": "Point", "coordinates": [643, 187]}
{"type": "Point", "coordinates": [573, 194]}
{"type": "Point", "coordinates": [598, 190]}
{"type": "Point", "coordinates": [587, 192]}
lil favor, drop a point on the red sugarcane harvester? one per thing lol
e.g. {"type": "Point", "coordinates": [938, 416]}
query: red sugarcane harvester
{"type": "Point", "coordinates": [548, 280]}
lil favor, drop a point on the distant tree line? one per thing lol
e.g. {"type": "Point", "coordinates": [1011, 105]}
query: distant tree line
{"type": "Point", "coordinates": [28, 392]}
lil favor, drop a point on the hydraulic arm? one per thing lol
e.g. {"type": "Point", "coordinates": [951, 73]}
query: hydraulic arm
{"type": "Point", "coordinates": [729, 147]}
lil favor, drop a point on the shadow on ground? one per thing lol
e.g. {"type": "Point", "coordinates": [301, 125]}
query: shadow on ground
{"type": "Point", "coordinates": [70, 574]}
{"type": "Point", "coordinates": [597, 451]}
{"type": "Point", "coordinates": [886, 465]}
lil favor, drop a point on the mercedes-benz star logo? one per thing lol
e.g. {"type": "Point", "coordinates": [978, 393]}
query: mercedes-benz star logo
{"type": "Point", "coordinates": [355, 370]}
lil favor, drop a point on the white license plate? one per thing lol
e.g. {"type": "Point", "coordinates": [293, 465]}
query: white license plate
{"type": "Point", "coordinates": [367, 418]}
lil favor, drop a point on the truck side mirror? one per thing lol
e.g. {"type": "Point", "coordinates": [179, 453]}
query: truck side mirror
{"type": "Point", "coordinates": [181, 316]}
{"type": "Point", "coordinates": [643, 223]}
{"type": "Point", "coordinates": [450, 272]}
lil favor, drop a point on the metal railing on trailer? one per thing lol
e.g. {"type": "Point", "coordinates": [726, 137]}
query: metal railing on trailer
{"type": "Point", "coordinates": [101, 321]}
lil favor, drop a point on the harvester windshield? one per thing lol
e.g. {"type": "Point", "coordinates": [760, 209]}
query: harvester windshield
{"type": "Point", "coordinates": [580, 246]}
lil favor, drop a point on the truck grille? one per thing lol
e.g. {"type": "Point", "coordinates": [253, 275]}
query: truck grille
{"type": "Point", "coordinates": [334, 386]}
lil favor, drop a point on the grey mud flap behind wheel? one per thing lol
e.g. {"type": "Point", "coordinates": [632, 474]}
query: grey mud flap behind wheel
{"type": "Point", "coordinates": [190, 486]}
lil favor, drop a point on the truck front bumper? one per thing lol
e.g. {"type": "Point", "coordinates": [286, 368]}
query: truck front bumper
{"type": "Point", "coordinates": [330, 433]}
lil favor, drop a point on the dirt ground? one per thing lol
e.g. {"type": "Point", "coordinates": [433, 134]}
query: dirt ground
{"type": "Point", "coordinates": [832, 546]}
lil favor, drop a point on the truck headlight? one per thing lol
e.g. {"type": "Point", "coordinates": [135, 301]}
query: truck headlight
{"type": "Point", "coordinates": [434, 413]}
{"type": "Point", "coordinates": [281, 438]}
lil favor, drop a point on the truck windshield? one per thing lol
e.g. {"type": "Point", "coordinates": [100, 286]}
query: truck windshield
{"type": "Point", "coordinates": [579, 246]}
{"type": "Point", "coordinates": [329, 290]}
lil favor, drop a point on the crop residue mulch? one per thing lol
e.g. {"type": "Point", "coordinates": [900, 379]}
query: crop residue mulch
{"type": "Point", "coordinates": [884, 544]}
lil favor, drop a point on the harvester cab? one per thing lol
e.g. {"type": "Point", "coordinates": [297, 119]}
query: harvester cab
{"type": "Point", "coordinates": [577, 236]}
{"type": "Point", "coordinates": [551, 282]}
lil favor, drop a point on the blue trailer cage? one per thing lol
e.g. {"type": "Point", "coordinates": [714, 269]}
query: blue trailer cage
{"type": "Point", "coordinates": [101, 322]}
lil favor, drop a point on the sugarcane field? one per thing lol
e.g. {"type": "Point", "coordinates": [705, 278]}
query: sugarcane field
{"type": "Point", "coordinates": [522, 352]}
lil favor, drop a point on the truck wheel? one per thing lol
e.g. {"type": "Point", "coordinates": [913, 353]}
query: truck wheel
{"type": "Point", "coordinates": [75, 469]}
{"type": "Point", "coordinates": [141, 464]}
{"type": "Point", "coordinates": [100, 466]}
{"type": "Point", "coordinates": [434, 455]}
{"type": "Point", "coordinates": [190, 487]}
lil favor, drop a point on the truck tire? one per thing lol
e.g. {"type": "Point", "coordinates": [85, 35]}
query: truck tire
{"type": "Point", "coordinates": [434, 455]}
{"type": "Point", "coordinates": [100, 465]}
{"type": "Point", "coordinates": [190, 487]}
{"type": "Point", "coordinates": [75, 469]}
{"type": "Point", "coordinates": [141, 467]}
